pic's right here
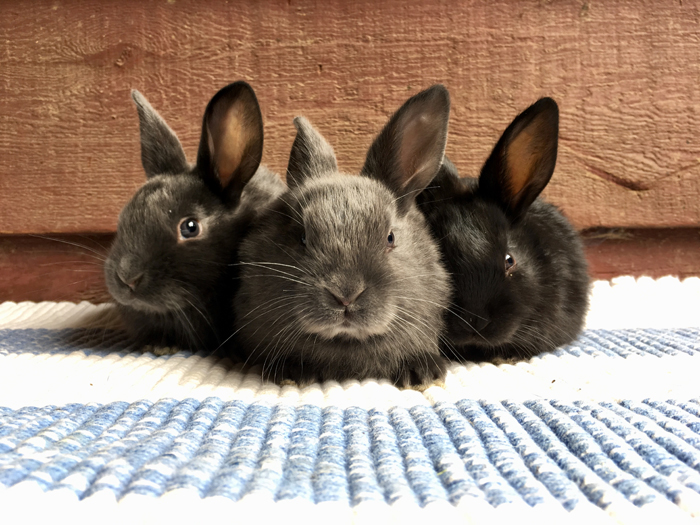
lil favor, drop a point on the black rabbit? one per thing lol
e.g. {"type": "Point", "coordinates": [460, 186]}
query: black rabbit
{"type": "Point", "coordinates": [170, 268]}
{"type": "Point", "coordinates": [518, 267]}
{"type": "Point", "coordinates": [342, 279]}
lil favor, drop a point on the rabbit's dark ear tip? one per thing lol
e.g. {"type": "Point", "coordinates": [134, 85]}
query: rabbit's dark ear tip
{"type": "Point", "coordinates": [438, 88]}
{"type": "Point", "coordinates": [438, 93]}
{"type": "Point", "coordinates": [243, 84]}
{"type": "Point", "coordinates": [547, 104]}
{"type": "Point", "coordinates": [236, 87]}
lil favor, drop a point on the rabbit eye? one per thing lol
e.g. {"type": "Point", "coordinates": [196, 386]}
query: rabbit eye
{"type": "Point", "coordinates": [510, 264]}
{"type": "Point", "coordinates": [189, 228]}
{"type": "Point", "coordinates": [391, 240]}
{"type": "Point", "coordinates": [303, 238]}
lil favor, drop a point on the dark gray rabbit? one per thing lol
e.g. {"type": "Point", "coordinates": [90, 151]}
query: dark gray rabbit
{"type": "Point", "coordinates": [518, 266]}
{"type": "Point", "coordinates": [169, 269]}
{"type": "Point", "coordinates": [342, 278]}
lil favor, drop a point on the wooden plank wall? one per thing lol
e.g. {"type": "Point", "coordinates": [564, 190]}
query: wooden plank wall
{"type": "Point", "coordinates": [625, 74]}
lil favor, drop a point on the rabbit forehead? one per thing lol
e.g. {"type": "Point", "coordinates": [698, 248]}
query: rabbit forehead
{"type": "Point", "coordinates": [479, 232]}
{"type": "Point", "coordinates": [341, 201]}
{"type": "Point", "coordinates": [164, 199]}
{"type": "Point", "coordinates": [164, 189]}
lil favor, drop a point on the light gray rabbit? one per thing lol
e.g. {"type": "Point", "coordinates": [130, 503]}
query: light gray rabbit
{"type": "Point", "coordinates": [342, 279]}
{"type": "Point", "coordinates": [170, 268]}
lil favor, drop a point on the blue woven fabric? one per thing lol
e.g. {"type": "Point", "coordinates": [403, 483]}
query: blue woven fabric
{"type": "Point", "coordinates": [538, 452]}
{"type": "Point", "coordinates": [470, 449]}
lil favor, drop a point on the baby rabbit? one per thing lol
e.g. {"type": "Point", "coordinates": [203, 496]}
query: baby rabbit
{"type": "Point", "coordinates": [517, 265]}
{"type": "Point", "coordinates": [342, 279]}
{"type": "Point", "coordinates": [169, 269]}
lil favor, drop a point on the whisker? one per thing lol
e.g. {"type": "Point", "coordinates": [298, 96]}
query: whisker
{"type": "Point", "coordinates": [270, 263]}
{"type": "Point", "coordinates": [285, 215]}
{"type": "Point", "coordinates": [408, 193]}
{"type": "Point", "coordinates": [258, 265]}
{"type": "Point", "coordinates": [277, 276]}
{"type": "Point", "coordinates": [451, 311]}
{"type": "Point", "coordinates": [93, 241]}
{"type": "Point", "coordinates": [291, 208]}
{"type": "Point", "coordinates": [206, 319]}
{"type": "Point", "coordinates": [242, 327]}
{"type": "Point", "coordinates": [100, 256]}
{"type": "Point", "coordinates": [57, 263]}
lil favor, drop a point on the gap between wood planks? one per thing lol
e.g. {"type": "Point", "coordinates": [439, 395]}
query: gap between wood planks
{"type": "Point", "coordinates": [69, 267]}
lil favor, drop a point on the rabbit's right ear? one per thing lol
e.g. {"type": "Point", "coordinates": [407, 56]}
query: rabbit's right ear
{"type": "Point", "coordinates": [161, 152]}
{"type": "Point", "coordinates": [408, 152]}
{"type": "Point", "coordinates": [523, 160]}
{"type": "Point", "coordinates": [311, 154]}
{"type": "Point", "coordinates": [231, 146]}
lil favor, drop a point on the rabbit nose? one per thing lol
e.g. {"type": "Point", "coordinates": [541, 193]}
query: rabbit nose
{"type": "Point", "coordinates": [478, 323]}
{"type": "Point", "coordinates": [132, 281]}
{"type": "Point", "coordinates": [346, 299]}
{"type": "Point", "coordinates": [129, 275]}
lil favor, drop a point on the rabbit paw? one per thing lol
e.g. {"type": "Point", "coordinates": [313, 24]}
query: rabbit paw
{"type": "Point", "coordinates": [421, 372]}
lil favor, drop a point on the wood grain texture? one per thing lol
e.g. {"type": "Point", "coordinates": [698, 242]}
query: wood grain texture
{"type": "Point", "coordinates": [624, 73]}
{"type": "Point", "coordinates": [53, 268]}
{"type": "Point", "coordinates": [644, 252]}
{"type": "Point", "coordinates": [69, 267]}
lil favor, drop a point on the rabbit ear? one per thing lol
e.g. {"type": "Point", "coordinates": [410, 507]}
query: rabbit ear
{"type": "Point", "coordinates": [231, 146]}
{"type": "Point", "coordinates": [408, 152]}
{"type": "Point", "coordinates": [161, 152]}
{"type": "Point", "coordinates": [311, 155]}
{"type": "Point", "coordinates": [522, 162]}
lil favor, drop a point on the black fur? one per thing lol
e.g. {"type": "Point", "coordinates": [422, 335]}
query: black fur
{"type": "Point", "coordinates": [543, 302]}
{"type": "Point", "coordinates": [181, 288]}
{"type": "Point", "coordinates": [342, 278]}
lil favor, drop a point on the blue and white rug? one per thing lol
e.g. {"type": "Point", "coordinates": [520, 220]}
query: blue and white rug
{"type": "Point", "coordinates": [604, 430]}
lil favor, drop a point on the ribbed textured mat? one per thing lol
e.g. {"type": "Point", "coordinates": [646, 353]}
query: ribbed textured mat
{"type": "Point", "coordinates": [604, 430]}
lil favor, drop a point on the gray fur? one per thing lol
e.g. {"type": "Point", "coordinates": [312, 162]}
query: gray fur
{"type": "Point", "coordinates": [289, 314]}
{"type": "Point", "coordinates": [311, 155]}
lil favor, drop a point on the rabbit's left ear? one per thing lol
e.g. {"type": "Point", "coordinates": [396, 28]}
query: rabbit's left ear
{"type": "Point", "coordinates": [161, 152]}
{"type": "Point", "coordinates": [408, 152]}
{"type": "Point", "coordinates": [311, 155]}
{"type": "Point", "coordinates": [522, 162]}
{"type": "Point", "coordinates": [231, 146]}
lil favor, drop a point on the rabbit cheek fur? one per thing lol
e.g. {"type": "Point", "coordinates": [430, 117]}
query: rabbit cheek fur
{"type": "Point", "coordinates": [540, 302]}
{"type": "Point", "coordinates": [172, 285]}
{"type": "Point", "coordinates": [178, 299]}
{"type": "Point", "coordinates": [342, 279]}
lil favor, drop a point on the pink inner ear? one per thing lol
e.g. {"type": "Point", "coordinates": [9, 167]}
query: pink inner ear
{"type": "Point", "coordinates": [521, 157]}
{"type": "Point", "coordinates": [418, 147]}
{"type": "Point", "coordinates": [525, 152]}
{"type": "Point", "coordinates": [228, 138]}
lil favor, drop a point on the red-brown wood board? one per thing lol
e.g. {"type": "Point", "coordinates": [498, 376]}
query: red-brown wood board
{"type": "Point", "coordinates": [625, 75]}
{"type": "Point", "coordinates": [69, 267]}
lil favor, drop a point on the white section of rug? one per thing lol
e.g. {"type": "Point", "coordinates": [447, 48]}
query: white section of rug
{"type": "Point", "coordinates": [624, 302]}
{"type": "Point", "coordinates": [580, 371]}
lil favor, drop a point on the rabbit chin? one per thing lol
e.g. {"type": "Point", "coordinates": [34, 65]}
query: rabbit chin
{"type": "Point", "coordinates": [161, 306]}
{"type": "Point", "coordinates": [347, 330]}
